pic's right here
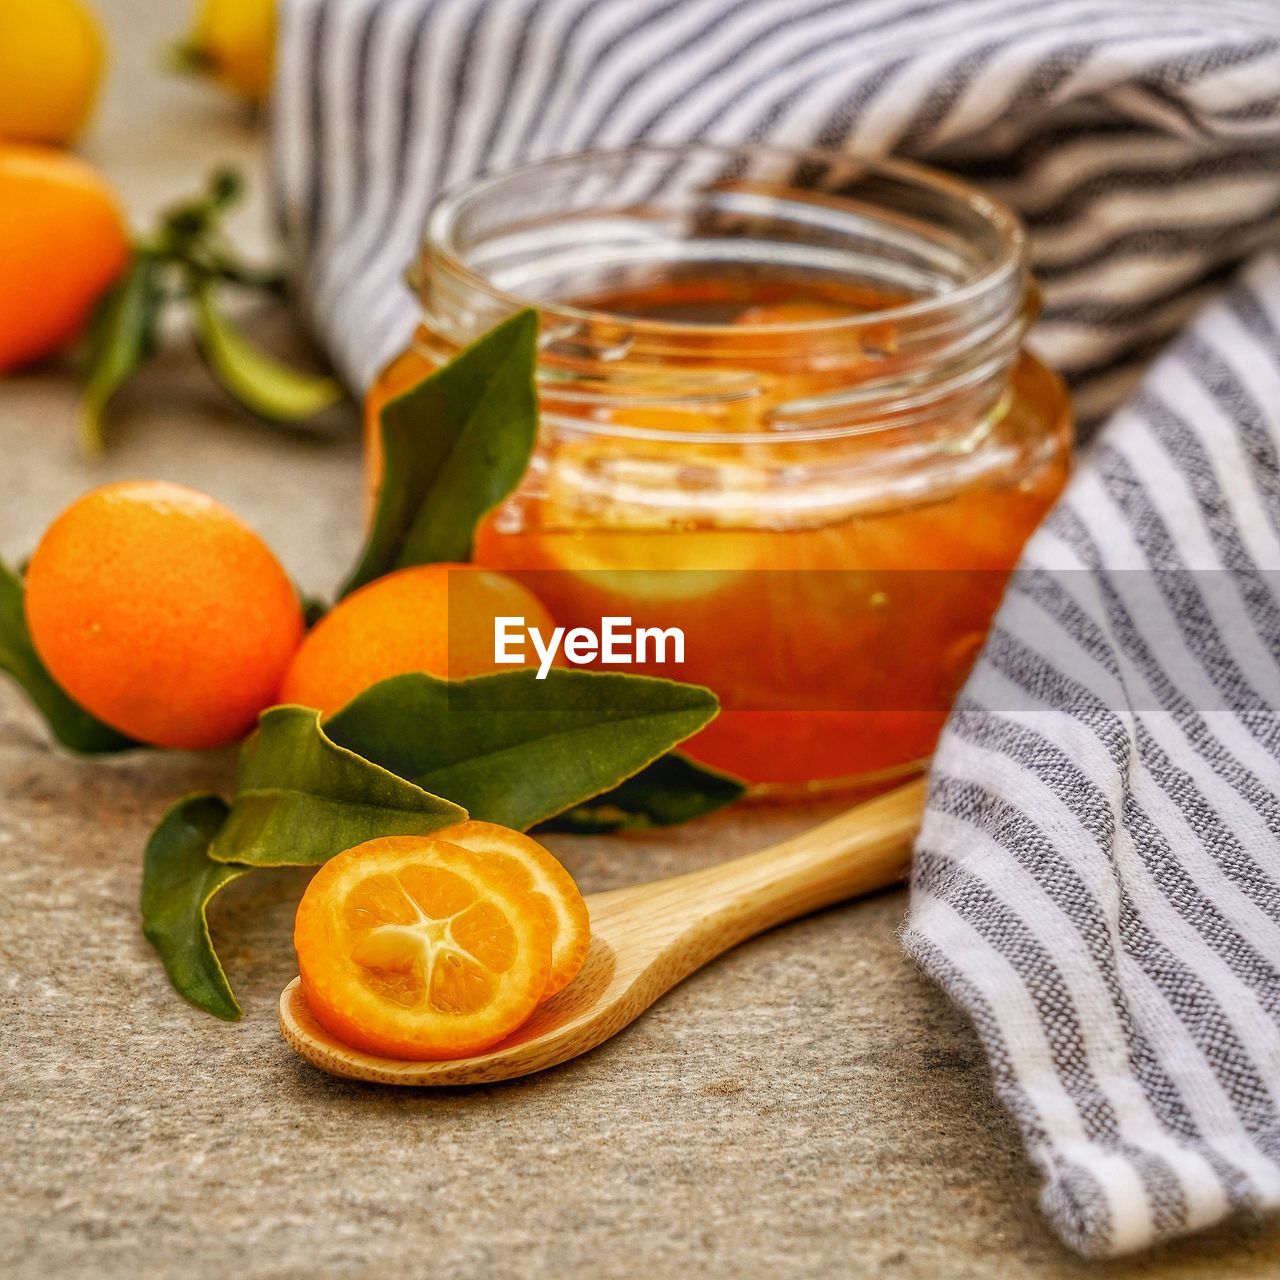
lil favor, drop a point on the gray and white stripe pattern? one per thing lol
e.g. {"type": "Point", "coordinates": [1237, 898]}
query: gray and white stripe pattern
{"type": "Point", "coordinates": [1098, 880]}
{"type": "Point", "coordinates": [1139, 138]}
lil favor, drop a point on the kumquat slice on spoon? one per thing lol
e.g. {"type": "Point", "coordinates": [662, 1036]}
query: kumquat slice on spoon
{"type": "Point", "coordinates": [412, 947]}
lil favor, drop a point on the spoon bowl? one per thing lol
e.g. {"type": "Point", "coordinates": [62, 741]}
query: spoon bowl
{"type": "Point", "coordinates": [648, 937]}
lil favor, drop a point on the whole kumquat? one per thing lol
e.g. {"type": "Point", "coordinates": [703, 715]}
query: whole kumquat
{"type": "Point", "coordinates": [51, 60]}
{"type": "Point", "coordinates": [436, 618]}
{"type": "Point", "coordinates": [162, 613]}
{"type": "Point", "coordinates": [234, 41]}
{"type": "Point", "coordinates": [63, 242]}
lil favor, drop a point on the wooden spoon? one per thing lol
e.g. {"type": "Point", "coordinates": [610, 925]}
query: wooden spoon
{"type": "Point", "coordinates": [646, 938]}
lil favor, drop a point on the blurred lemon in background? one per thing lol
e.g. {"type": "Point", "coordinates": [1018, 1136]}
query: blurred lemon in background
{"type": "Point", "coordinates": [51, 61]}
{"type": "Point", "coordinates": [234, 41]}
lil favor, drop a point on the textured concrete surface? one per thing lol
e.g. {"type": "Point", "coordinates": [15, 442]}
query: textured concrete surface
{"type": "Point", "coordinates": [809, 1106]}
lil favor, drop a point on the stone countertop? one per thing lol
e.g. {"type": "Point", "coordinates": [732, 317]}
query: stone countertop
{"type": "Point", "coordinates": [807, 1106]}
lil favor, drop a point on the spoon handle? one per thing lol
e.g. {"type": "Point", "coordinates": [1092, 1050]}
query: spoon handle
{"type": "Point", "coordinates": [705, 912]}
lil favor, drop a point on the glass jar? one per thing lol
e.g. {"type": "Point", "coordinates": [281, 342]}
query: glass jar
{"type": "Point", "coordinates": [785, 407]}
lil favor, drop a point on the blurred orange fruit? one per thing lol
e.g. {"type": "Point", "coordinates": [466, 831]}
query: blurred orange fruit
{"type": "Point", "coordinates": [63, 242]}
{"type": "Point", "coordinates": [547, 884]}
{"type": "Point", "coordinates": [235, 40]}
{"type": "Point", "coordinates": [51, 60]}
{"type": "Point", "coordinates": [412, 947]}
{"type": "Point", "coordinates": [436, 618]}
{"type": "Point", "coordinates": [162, 613]}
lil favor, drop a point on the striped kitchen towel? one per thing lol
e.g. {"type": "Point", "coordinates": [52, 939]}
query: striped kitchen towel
{"type": "Point", "coordinates": [1098, 879]}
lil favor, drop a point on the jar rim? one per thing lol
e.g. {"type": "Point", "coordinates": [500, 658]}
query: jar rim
{"type": "Point", "coordinates": [1010, 260]}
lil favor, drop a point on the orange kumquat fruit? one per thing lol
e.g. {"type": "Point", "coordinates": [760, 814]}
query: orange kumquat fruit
{"type": "Point", "coordinates": [162, 613]}
{"type": "Point", "coordinates": [63, 242]}
{"type": "Point", "coordinates": [52, 55]}
{"type": "Point", "coordinates": [436, 618]}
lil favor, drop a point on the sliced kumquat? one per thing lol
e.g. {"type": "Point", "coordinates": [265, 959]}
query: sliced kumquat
{"type": "Point", "coordinates": [551, 888]}
{"type": "Point", "coordinates": [413, 947]}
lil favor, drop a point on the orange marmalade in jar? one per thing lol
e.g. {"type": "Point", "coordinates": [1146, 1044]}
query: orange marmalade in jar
{"type": "Point", "coordinates": [785, 407]}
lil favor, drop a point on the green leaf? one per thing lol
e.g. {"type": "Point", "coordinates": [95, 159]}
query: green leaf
{"type": "Point", "coordinates": [178, 880]}
{"type": "Point", "coordinates": [123, 335]}
{"type": "Point", "coordinates": [190, 234]}
{"type": "Point", "coordinates": [301, 798]}
{"type": "Point", "coordinates": [260, 382]}
{"type": "Point", "coordinates": [514, 749]}
{"type": "Point", "coordinates": [185, 257]}
{"type": "Point", "coordinates": [186, 225]}
{"type": "Point", "coordinates": [673, 789]}
{"type": "Point", "coordinates": [453, 447]}
{"type": "Point", "coordinates": [69, 722]}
